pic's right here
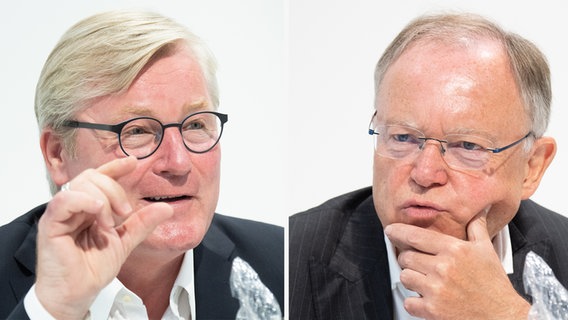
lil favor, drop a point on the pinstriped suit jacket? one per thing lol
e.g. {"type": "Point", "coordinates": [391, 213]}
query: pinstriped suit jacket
{"type": "Point", "coordinates": [338, 260]}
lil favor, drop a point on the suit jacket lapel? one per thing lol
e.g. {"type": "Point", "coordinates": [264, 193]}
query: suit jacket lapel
{"type": "Point", "coordinates": [355, 283]}
{"type": "Point", "coordinates": [213, 262]}
{"type": "Point", "coordinates": [26, 258]}
{"type": "Point", "coordinates": [527, 235]}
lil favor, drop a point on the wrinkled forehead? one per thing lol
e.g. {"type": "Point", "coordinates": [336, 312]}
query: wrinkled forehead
{"type": "Point", "coordinates": [437, 82]}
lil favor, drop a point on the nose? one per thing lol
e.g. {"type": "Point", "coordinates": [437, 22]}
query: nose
{"type": "Point", "coordinates": [441, 142]}
{"type": "Point", "coordinates": [172, 157]}
{"type": "Point", "coordinates": [429, 167]}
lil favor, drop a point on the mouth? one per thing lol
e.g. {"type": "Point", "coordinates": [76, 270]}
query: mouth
{"type": "Point", "coordinates": [421, 214]}
{"type": "Point", "coordinates": [167, 199]}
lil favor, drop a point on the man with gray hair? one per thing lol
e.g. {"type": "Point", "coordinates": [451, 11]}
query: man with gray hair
{"type": "Point", "coordinates": [461, 107]}
{"type": "Point", "coordinates": [127, 107]}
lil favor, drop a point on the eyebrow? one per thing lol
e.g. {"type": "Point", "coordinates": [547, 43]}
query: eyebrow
{"type": "Point", "coordinates": [460, 131]}
{"type": "Point", "coordinates": [402, 123]}
{"type": "Point", "coordinates": [473, 132]}
{"type": "Point", "coordinates": [149, 112]}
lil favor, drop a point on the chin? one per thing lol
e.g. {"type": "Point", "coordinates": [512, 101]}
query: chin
{"type": "Point", "coordinates": [175, 236]}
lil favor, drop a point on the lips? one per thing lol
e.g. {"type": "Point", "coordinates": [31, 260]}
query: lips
{"type": "Point", "coordinates": [167, 198]}
{"type": "Point", "coordinates": [421, 213]}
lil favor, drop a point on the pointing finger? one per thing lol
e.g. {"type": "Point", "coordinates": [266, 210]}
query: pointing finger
{"type": "Point", "coordinates": [101, 183]}
{"type": "Point", "coordinates": [406, 236]}
{"type": "Point", "coordinates": [477, 228]}
{"type": "Point", "coordinates": [118, 167]}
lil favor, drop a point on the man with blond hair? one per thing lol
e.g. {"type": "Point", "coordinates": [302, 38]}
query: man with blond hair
{"type": "Point", "coordinates": [127, 107]}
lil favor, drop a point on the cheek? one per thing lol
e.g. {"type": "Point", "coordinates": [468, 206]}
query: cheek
{"type": "Point", "coordinates": [501, 191]}
{"type": "Point", "coordinates": [504, 204]}
{"type": "Point", "coordinates": [207, 167]}
{"type": "Point", "coordinates": [388, 178]}
{"type": "Point", "coordinates": [209, 164]}
{"type": "Point", "coordinates": [505, 198]}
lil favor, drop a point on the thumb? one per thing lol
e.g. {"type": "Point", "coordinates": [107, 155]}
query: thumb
{"type": "Point", "coordinates": [477, 227]}
{"type": "Point", "coordinates": [141, 224]}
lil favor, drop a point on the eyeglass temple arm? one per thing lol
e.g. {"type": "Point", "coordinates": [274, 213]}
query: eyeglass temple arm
{"type": "Point", "coordinates": [88, 125]}
{"type": "Point", "coordinates": [497, 150]}
{"type": "Point", "coordinates": [371, 131]}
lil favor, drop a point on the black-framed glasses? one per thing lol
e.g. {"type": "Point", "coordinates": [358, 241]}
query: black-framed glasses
{"type": "Point", "coordinates": [460, 151]}
{"type": "Point", "coordinates": [142, 136]}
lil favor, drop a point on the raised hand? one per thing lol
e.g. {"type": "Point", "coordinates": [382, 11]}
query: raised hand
{"type": "Point", "coordinates": [456, 279]}
{"type": "Point", "coordinates": [85, 235]}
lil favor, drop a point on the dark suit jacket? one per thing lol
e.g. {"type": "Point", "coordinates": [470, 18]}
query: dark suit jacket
{"type": "Point", "coordinates": [338, 259]}
{"type": "Point", "coordinates": [259, 244]}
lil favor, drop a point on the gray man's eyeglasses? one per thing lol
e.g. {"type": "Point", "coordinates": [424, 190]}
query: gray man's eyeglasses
{"type": "Point", "coordinates": [460, 151]}
{"type": "Point", "coordinates": [141, 137]}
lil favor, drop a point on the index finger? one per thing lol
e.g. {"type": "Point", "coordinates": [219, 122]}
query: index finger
{"type": "Point", "coordinates": [477, 227]}
{"type": "Point", "coordinates": [406, 236]}
{"type": "Point", "coordinates": [118, 167]}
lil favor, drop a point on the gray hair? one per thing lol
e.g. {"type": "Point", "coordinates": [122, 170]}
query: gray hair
{"type": "Point", "coordinates": [102, 55]}
{"type": "Point", "coordinates": [528, 63]}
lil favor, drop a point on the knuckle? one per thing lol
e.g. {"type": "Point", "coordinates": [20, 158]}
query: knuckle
{"type": "Point", "coordinates": [404, 276]}
{"type": "Point", "coordinates": [413, 239]}
{"type": "Point", "coordinates": [430, 310]}
{"type": "Point", "coordinates": [457, 248]}
{"type": "Point", "coordinates": [442, 269]}
{"type": "Point", "coordinates": [404, 259]}
{"type": "Point", "coordinates": [436, 289]}
{"type": "Point", "coordinates": [410, 307]}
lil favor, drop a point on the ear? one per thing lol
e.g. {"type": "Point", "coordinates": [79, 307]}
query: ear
{"type": "Point", "coordinates": [54, 155]}
{"type": "Point", "coordinates": [543, 152]}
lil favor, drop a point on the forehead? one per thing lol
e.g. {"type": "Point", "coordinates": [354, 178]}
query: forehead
{"type": "Point", "coordinates": [172, 85]}
{"type": "Point", "coordinates": [448, 87]}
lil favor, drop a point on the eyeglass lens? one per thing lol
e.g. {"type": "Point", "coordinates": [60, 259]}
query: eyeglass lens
{"type": "Point", "coordinates": [459, 151]}
{"type": "Point", "coordinates": [141, 137]}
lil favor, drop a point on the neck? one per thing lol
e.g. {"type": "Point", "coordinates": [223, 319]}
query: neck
{"type": "Point", "coordinates": [152, 280]}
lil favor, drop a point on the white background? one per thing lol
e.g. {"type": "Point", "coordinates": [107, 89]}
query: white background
{"type": "Point", "coordinates": [297, 131]}
{"type": "Point", "coordinates": [334, 46]}
{"type": "Point", "coordinates": [248, 37]}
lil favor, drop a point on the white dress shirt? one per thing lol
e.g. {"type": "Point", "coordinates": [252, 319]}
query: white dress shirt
{"type": "Point", "coordinates": [116, 302]}
{"type": "Point", "coordinates": [501, 243]}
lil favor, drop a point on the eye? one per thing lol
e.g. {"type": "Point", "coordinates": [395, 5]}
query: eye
{"type": "Point", "coordinates": [468, 146]}
{"type": "Point", "coordinates": [405, 138]}
{"type": "Point", "coordinates": [401, 137]}
{"type": "Point", "coordinates": [137, 130]}
{"type": "Point", "coordinates": [194, 125]}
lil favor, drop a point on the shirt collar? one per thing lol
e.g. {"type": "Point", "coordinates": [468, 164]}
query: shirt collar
{"type": "Point", "coordinates": [501, 243]}
{"type": "Point", "coordinates": [184, 288]}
